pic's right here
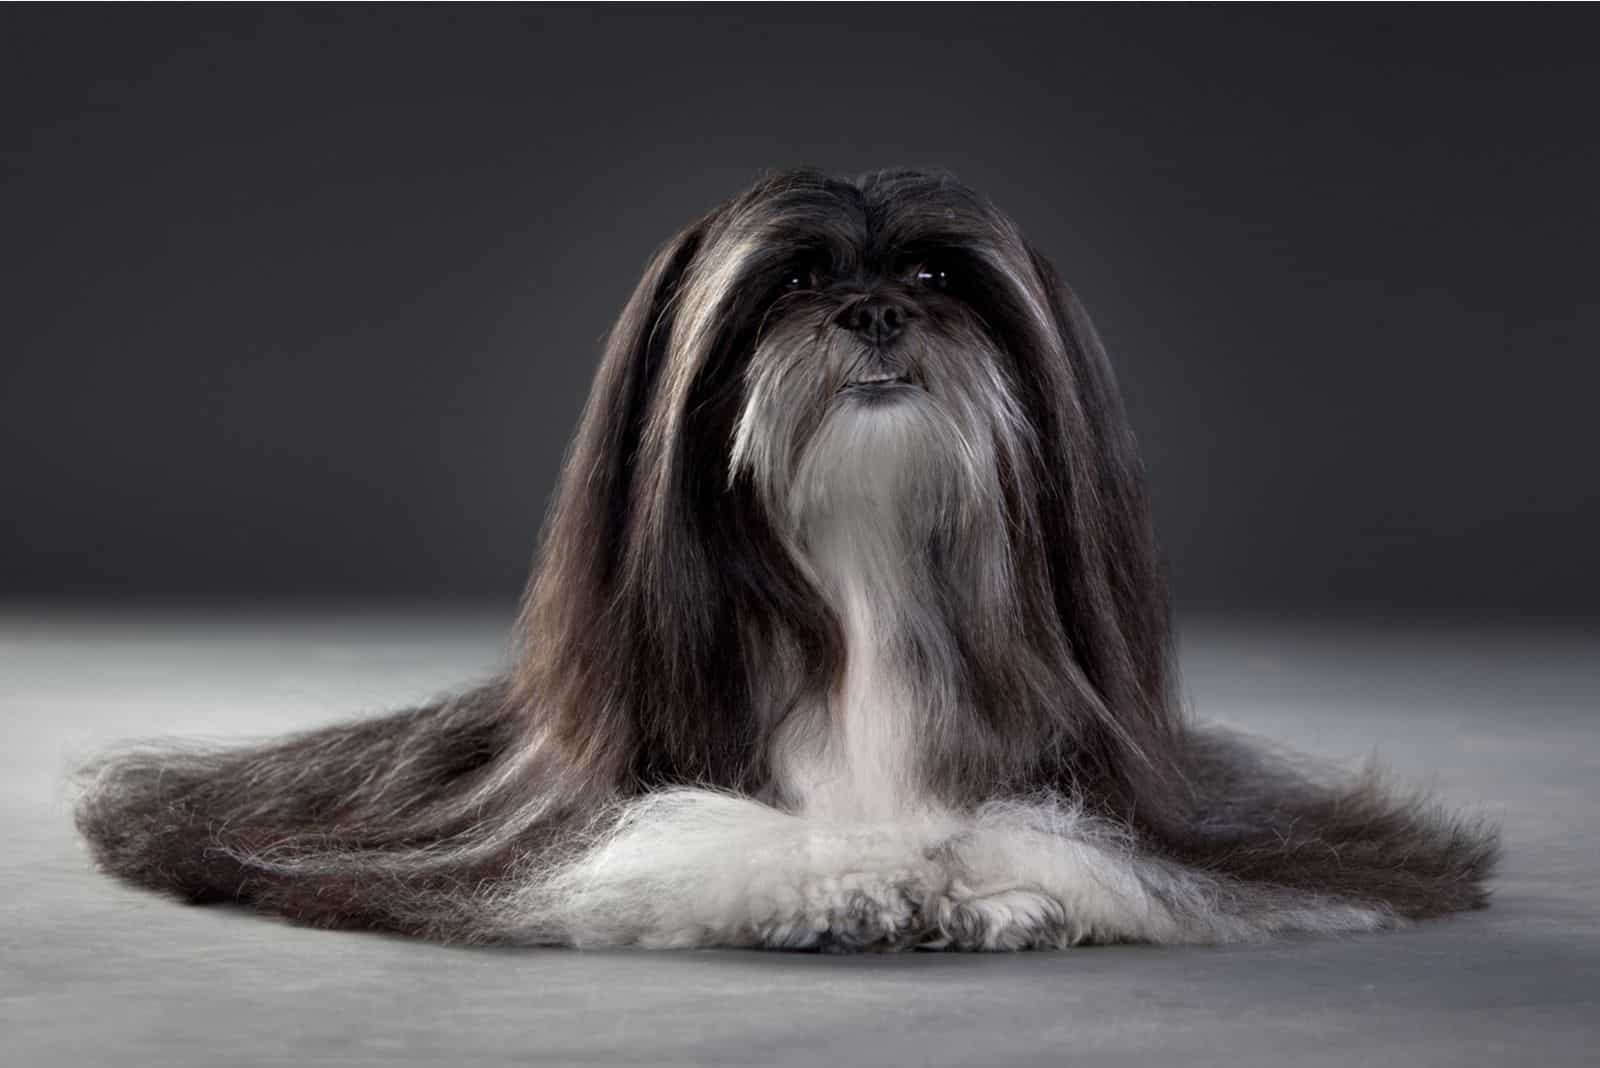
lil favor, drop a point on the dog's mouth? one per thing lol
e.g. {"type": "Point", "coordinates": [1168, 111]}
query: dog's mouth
{"type": "Point", "coordinates": [877, 382]}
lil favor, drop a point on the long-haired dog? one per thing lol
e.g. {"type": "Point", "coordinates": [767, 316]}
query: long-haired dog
{"type": "Point", "coordinates": [847, 632]}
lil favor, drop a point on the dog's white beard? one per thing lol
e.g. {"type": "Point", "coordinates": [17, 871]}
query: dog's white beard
{"type": "Point", "coordinates": [859, 856]}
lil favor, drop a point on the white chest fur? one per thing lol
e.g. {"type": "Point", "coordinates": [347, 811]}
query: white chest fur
{"type": "Point", "coordinates": [854, 761]}
{"type": "Point", "coordinates": [874, 482]}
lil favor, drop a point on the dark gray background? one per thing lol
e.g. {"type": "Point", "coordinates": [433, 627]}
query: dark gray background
{"type": "Point", "coordinates": [306, 301]}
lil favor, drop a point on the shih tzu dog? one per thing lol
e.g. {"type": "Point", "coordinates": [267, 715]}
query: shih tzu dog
{"type": "Point", "coordinates": [847, 632]}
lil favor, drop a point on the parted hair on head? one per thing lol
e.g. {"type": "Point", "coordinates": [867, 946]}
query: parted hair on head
{"type": "Point", "coordinates": [847, 630]}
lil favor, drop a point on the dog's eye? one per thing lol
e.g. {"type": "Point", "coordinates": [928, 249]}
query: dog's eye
{"type": "Point", "coordinates": [796, 278]}
{"type": "Point", "coordinates": [931, 275]}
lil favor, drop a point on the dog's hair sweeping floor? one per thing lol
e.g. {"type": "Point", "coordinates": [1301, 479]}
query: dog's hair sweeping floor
{"type": "Point", "coordinates": [847, 632]}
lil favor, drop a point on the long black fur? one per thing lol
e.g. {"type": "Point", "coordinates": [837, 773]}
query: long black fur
{"type": "Point", "coordinates": [663, 593]}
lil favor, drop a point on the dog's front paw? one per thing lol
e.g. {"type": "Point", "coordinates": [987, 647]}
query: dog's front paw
{"type": "Point", "coordinates": [853, 913]}
{"type": "Point", "coordinates": [1003, 920]}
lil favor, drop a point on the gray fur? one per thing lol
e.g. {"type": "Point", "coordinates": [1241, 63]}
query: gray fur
{"type": "Point", "coordinates": [838, 639]}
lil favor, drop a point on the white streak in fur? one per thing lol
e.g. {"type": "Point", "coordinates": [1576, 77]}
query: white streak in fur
{"type": "Point", "coordinates": [876, 480]}
{"type": "Point", "coordinates": [854, 760]}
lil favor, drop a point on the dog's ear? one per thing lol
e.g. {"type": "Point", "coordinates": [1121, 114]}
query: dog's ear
{"type": "Point", "coordinates": [585, 531]}
{"type": "Point", "coordinates": [570, 655]}
{"type": "Point", "coordinates": [1110, 589]}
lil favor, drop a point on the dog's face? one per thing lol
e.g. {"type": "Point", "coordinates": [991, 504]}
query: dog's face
{"type": "Point", "coordinates": [868, 339]}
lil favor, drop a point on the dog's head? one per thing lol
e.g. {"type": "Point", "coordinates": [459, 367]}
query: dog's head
{"type": "Point", "coordinates": [888, 347]}
{"type": "Point", "coordinates": [847, 342]}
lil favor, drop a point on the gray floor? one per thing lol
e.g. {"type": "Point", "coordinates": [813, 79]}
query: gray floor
{"type": "Point", "coordinates": [94, 973]}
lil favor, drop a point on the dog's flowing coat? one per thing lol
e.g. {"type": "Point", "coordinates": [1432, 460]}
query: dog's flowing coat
{"type": "Point", "coordinates": [847, 631]}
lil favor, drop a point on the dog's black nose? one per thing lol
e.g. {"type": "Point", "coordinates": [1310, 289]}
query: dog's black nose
{"type": "Point", "coordinates": [877, 320]}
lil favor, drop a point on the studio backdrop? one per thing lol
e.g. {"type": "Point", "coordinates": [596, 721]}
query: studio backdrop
{"type": "Point", "coordinates": [306, 301]}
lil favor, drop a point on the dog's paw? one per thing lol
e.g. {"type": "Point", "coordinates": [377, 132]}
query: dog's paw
{"type": "Point", "coordinates": [853, 913]}
{"type": "Point", "coordinates": [1003, 920]}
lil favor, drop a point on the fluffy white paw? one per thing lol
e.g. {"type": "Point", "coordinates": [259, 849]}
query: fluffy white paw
{"type": "Point", "coordinates": [964, 919]}
{"type": "Point", "coordinates": [851, 913]}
